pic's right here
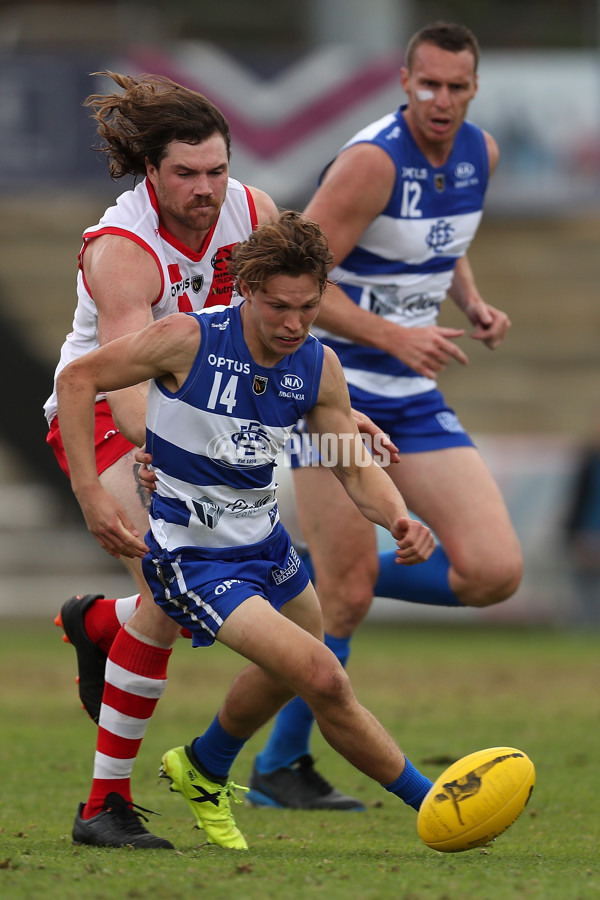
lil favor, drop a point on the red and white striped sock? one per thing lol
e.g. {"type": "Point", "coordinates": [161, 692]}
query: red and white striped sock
{"type": "Point", "coordinates": [136, 676]}
{"type": "Point", "coordinates": [105, 616]}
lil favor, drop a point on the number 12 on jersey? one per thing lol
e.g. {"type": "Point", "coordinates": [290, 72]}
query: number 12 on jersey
{"type": "Point", "coordinates": [411, 194]}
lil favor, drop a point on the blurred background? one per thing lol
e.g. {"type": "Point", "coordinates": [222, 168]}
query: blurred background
{"type": "Point", "coordinates": [295, 81]}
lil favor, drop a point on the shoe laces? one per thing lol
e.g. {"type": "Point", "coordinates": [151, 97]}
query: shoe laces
{"type": "Point", "coordinates": [222, 811]}
{"type": "Point", "coordinates": [306, 770]}
{"type": "Point", "coordinates": [129, 813]}
{"type": "Point", "coordinates": [228, 792]}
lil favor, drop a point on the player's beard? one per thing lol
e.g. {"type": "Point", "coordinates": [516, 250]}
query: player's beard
{"type": "Point", "coordinates": [199, 216]}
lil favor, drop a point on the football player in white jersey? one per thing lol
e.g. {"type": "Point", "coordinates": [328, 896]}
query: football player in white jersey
{"type": "Point", "coordinates": [163, 247]}
{"type": "Point", "coordinates": [256, 598]}
{"type": "Point", "coordinates": [399, 247]}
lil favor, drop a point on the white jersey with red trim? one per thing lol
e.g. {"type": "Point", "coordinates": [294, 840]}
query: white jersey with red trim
{"type": "Point", "coordinates": [190, 281]}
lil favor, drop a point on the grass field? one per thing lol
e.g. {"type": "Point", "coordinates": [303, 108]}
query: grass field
{"type": "Point", "coordinates": [442, 692]}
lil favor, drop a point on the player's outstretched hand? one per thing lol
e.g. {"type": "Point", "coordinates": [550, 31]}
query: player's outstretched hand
{"type": "Point", "coordinates": [145, 475]}
{"type": "Point", "coordinates": [415, 542]}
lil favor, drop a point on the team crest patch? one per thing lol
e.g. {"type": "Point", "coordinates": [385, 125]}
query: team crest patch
{"type": "Point", "coordinates": [197, 282]}
{"type": "Point", "coordinates": [259, 384]}
{"type": "Point", "coordinates": [439, 182]}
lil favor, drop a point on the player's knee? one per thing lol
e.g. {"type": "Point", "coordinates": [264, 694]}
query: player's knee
{"type": "Point", "coordinates": [495, 583]}
{"type": "Point", "coordinates": [327, 685]}
{"type": "Point", "coordinates": [345, 601]}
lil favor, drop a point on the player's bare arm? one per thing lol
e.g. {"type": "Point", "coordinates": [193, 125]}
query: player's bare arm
{"type": "Point", "coordinates": [493, 151]}
{"type": "Point", "coordinates": [344, 210]}
{"type": "Point", "coordinates": [491, 325]}
{"type": "Point", "coordinates": [124, 281]}
{"type": "Point", "coordinates": [165, 349]}
{"type": "Point", "coordinates": [381, 441]}
{"type": "Point", "coordinates": [266, 210]}
{"type": "Point", "coordinates": [365, 482]}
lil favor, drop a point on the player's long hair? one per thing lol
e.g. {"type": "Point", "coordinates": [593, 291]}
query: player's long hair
{"type": "Point", "coordinates": [151, 111]}
{"type": "Point", "coordinates": [446, 36]}
{"type": "Point", "coordinates": [292, 245]}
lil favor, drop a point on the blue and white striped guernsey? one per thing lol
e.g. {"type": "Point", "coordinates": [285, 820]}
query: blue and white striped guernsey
{"type": "Point", "coordinates": [403, 265]}
{"type": "Point", "coordinates": [214, 442]}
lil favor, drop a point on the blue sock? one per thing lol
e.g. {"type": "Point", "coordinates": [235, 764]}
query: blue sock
{"type": "Point", "coordinates": [411, 786]}
{"type": "Point", "coordinates": [426, 582]}
{"type": "Point", "coordinates": [290, 735]}
{"type": "Point", "coordinates": [216, 749]}
{"type": "Point", "coordinates": [340, 647]}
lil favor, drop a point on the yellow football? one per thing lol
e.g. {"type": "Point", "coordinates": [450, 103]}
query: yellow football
{"type": "Point", "coordinates": [476, 799]}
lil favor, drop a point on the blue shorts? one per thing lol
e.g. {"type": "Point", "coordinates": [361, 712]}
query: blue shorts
{"type": "Point", "coordinates": [200, 588]}
{"type": "Point", "coordinates": [415, 424]}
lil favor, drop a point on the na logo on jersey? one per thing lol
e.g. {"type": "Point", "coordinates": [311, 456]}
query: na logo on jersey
{"type": "Point", "coordinates": [464, 170]}
{"type": "Point", "coordinates": [440, 236]}
{"type": "Point", "coordinates": [439, 181]}
{"type": "Point", "coordinates": [290, 386]}
{"type": "Point", "coordinates": [197, 282]}
{"type": "Point", "coordinates": [292, 382]}
{"type": "Point", "coordinates": [465, 175]}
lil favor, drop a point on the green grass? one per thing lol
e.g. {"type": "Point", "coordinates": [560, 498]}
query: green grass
{"type": "Point", "coordinates": [442, 692]}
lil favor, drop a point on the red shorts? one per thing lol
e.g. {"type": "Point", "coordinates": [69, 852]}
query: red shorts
{"type": "Point", "coordinates": [108, 440]}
